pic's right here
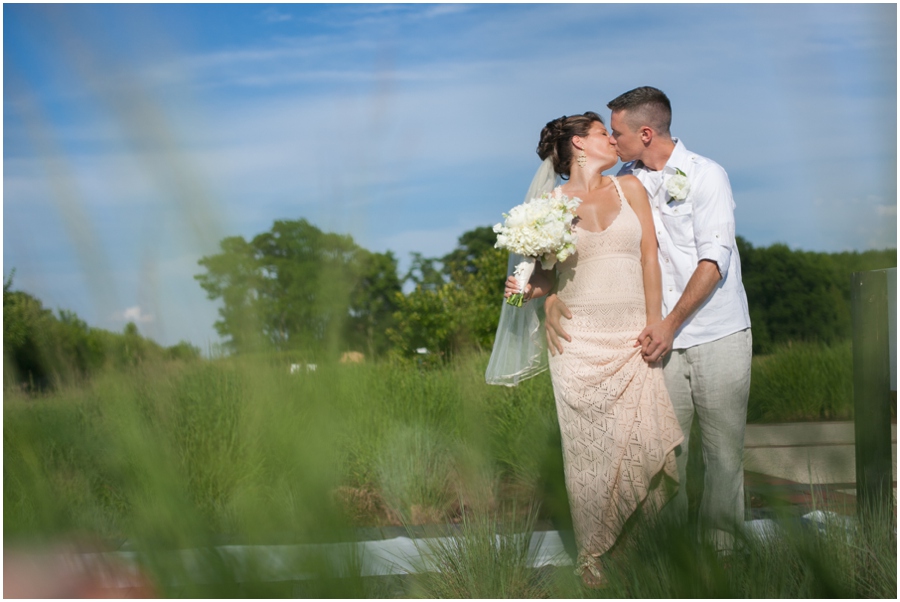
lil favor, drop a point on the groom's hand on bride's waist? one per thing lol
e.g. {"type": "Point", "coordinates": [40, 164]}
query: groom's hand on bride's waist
{"type": "Point", "coordinates": [555, 310]}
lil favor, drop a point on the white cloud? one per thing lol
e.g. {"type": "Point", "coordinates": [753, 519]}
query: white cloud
{"type": "Point", "coordinates": [273, 15]}
{"type": "Point", "coordinates": [383, 16]}
{"type": "Point", "coordinates": [133, 314]}
{"type": "Point", "coordinates": [442, 10]}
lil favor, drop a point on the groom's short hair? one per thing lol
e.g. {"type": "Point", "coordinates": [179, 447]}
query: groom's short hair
{"type": "Point", "coordinates": [645, 106]}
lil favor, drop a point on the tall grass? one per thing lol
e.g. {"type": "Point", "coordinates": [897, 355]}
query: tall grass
{"type": "Point", "coordinates": [184, 456]}
{"type": "Point", "coordinates": [802, 381]}
{"type": "Point", "coordinates": [191, 456]}
{"type": "Point", "coordinates": [413, 471]}
{"type": "Point", "coordinates": [486, 558]}
{"type": "Point", "coordinates": [795, 560]}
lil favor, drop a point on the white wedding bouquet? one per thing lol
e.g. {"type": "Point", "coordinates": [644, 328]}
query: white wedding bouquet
{"type": "Point", "coordinates": [540, 228]}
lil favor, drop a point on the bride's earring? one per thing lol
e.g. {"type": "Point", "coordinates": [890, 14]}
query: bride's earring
{"type": "Point", "coordinates": [582, 160]}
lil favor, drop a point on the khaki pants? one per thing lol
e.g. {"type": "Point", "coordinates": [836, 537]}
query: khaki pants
{"type": "Point", "coordinates": [713, 380]}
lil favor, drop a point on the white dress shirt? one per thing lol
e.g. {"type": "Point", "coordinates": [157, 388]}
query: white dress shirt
{"type": "Point", "coordinates": [699, 227]}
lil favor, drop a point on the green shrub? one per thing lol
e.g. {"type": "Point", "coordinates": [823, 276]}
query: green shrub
{"type": "Point", "coordinates": [802, 381]}
{"type": "Point", "coordinates": [413, 471]}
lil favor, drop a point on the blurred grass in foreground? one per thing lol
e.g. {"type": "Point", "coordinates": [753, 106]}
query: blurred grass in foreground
{"type": "Point", "coordinates": [176, 456]}
{"type": "Point", "coordinates": [173, 454]}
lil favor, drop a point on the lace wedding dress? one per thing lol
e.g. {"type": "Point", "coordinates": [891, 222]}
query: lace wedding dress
{"type": "Point", "coordinates": [618, 426]}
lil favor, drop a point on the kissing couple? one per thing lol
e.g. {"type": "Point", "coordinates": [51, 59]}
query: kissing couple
{"type": "Point", "coordinates": [647, 324]}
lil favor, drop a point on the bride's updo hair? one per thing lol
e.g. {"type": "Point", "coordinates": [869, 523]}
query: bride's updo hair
{"type": "Point", "coordinates": [556, 138]}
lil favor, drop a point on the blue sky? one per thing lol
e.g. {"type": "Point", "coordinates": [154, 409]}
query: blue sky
{"type": "Point", "coordinates": [137, 136]}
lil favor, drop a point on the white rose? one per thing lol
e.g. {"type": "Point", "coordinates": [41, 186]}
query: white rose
{"type": "Point", "coordinates": [678, 186]}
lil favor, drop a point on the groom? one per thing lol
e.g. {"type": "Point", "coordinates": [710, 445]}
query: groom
{"type": "Point", "coordinates": [704, 339]}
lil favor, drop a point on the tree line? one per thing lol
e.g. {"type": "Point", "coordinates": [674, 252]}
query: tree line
{"type": "Point", "coordinates": [309, 294]}
{"type": "Point", "coordinates": [802, 295]}
{"type": "Point", "coordinates": [298, 292]}
{"type": "Point", "coordinates": [296, 288]}
{"type": "Point", "coordinates": [42, 349]}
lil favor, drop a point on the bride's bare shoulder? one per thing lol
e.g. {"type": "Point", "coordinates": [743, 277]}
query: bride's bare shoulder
{"type": "Point", "coordinates": [629, 181]}
{"type": "Point", "coordinates": [632, 188]}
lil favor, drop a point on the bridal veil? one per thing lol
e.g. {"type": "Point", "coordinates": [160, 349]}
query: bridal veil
{"type": "Point", "coordinates": [520, 346]}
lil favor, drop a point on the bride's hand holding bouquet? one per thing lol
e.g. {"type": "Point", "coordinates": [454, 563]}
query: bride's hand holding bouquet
{"type": "Point", "coordinates": [540, 228]}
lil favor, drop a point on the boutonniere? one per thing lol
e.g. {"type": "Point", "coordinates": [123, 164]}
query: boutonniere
{"type": "Point", "coordinates": [678, 186]}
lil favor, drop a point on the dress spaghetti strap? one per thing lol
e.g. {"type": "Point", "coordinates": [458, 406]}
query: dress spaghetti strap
{"type": "Point", "coordinates": [619, 189]}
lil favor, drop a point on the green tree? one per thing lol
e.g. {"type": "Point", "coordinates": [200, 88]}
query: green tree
{"type": "Point", "coordinates": [481, 282]}
{"type": "Point", "coordinates": [307, 276]}
{"type": "Point", "coordinates": [78, 345]}
{"type": "Point", "coordinates": [133, 349]}
{"type": "Point", "coordinates": [471, 246]}
{"type": "Point", "coordinates": [41, 350]}
{"type": "Point", "coordinates": [426, 318]}
{"type": "Point", "coordinates": [802, 295]}
{"type": "Point", "coordinates": [424, 272]}
{"type": "Point", "coordinates": [234, 277]}
{"type": "Point", "coordinates": [373, 302]}
{"type": "Point", "coordinates": [795, 295]}
{"type": "Point", "coordinates": [27, 326]}
{"type": "Point", "coordinates": [461, 312]}
{"type": "Point", "coordinates": [183, 351]}
{"type": "Point", "coordinates": [298, 288]}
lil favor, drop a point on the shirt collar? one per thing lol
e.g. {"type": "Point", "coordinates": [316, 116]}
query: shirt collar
{"type": "Point", "coordinates": [678, 159]}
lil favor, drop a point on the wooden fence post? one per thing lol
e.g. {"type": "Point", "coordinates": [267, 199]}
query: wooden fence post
{"type": "Point", "coordinates": [872, 388]}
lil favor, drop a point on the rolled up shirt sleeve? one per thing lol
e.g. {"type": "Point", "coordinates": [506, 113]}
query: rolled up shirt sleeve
{"type": "Point", "coordinates": [713, 216]}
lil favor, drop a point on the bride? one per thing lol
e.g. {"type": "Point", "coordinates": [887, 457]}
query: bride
{"type": "Point", "coordinates": [617, 422]}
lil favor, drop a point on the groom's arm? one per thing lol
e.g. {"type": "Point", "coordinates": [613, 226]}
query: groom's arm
{"type": "Point", "coordinates": [658, 338]}
{"type": "Point", "coordinates": [713, 224]}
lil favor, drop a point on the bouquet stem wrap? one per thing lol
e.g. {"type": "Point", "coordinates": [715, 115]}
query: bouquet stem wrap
{"type": "Point", "coordinates": [522, 273]}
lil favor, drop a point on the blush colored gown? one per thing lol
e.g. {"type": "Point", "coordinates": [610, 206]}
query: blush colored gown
{"type": "Point", "coordinates": [617, 422]}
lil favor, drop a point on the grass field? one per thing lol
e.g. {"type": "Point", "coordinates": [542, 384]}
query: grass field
{"type": "Point", "coordinates": [189, 455]}
{"type": "Point", "coordinates": [801, 382]}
